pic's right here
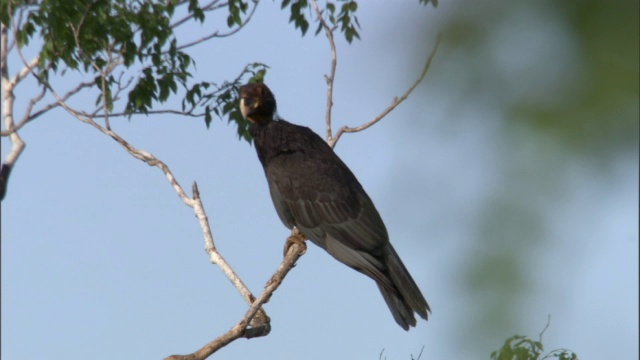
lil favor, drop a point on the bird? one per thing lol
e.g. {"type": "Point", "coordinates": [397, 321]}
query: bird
{"type": "Point", "coordinates": [315, 192]}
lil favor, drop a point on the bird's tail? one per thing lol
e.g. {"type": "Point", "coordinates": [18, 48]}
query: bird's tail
{"type": "Point", "coordinates": [405, 297]}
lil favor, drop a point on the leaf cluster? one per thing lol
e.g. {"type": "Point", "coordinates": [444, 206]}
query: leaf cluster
{"type": "Point", "coordinates": [223, 100]}
{"type": "Point", "coordinates": [345, 18]}
{"type": "Point", "coordinates": [520, 347]}
{"type": "Point", "coordinates": [236, 8]}
{"type": "Point", "coordinates": [97, 36]}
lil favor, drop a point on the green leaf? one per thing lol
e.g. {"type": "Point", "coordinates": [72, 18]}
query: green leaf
{"type": "Point", "coordinates": [207, 116]}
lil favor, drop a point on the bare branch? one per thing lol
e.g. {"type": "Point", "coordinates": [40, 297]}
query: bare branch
{"type": "Point", "coordinates": [149, 112]}
{"type": "Point", "coordinates": [28, 117]}
{"type": "Point", "coordinates": [214, 255]}
{"type": "Point", "coordinates": [34, 100]}
{"type": "Point", "coordinates": [396, 101]}
{"type": "Point", "coordinates": [64, 98]}
{"type": "Point", "coordinates": [26, 70]}
{"type": "Point", "coordinates": [329, 78]}
{"type": "Point", "coordinates": [121, 87]}
{"type": "Point", "coordinates": [419, 355]}
{"type": "Point", "coordinates": [545, 328]}
{"type": "Point", "coordinates": [241, 330]}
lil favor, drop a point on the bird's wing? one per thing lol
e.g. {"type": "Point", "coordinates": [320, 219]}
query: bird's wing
{"type": "Point", "coordinates": [323, 199]}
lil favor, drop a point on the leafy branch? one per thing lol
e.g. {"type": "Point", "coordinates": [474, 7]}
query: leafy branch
{"type": "Point", "coordinates": [520, 347]}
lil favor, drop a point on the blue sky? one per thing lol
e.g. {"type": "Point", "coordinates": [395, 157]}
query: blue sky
{"type": "Point", "coordinates": [101, 259]}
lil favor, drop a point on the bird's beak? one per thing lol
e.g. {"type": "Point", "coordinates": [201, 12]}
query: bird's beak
{"type": "Point", "coordinates": [244, 108]}
{"type": "Point", "coordinates": [248, 107]}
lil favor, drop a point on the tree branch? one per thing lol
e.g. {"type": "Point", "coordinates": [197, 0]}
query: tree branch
{"type": "Point", "coordinates": [329, 78]}
{"type": "Point", "coordinates": [28, 117]}
{"type": "Point", "coordinates": [242, 329]}
{"type": "Point", "coordinates": [8, 99]}
{"type": "Point", "coordinates": [214, 256]}
{"type": "Point", "coordinates": [396, 101]}
{"type": "Point", "coordinates": [222, 35]}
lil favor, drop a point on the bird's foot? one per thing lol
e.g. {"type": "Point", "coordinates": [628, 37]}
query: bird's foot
{"type": "Point", "coordinates": [296, 238]}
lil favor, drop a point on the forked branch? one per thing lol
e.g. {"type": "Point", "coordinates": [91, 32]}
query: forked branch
{"type": "Point", "coordinates": [331, 139]}
{"type": "Point", "coordinates": [396, 101]}
{"type": "Point", "coordinates": [246, 328]}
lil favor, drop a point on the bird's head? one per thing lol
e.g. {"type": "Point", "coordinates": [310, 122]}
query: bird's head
{"type": "Point", "coordinates": [257, 103]}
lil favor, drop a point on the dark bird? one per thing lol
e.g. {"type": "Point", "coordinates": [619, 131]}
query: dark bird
{"type": "Point", "coordinates": [314, 191]}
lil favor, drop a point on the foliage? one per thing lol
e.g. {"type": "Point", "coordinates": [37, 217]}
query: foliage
{"type": "Point", "coordinates": [99, 38]}
{"type": "Point", "coordinates": [345, 20]}
{"type": "Point", "coordinates": [223, 99]}
{"type": "Point", "coordinates": [520, 347]}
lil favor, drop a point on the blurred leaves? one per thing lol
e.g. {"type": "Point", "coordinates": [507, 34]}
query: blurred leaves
{"type": "Point", "coordinates": [590, 104]}
{"type": "Point", "coordinates": [601, 113]}
{"type": "Point", "coordinates": [555, 85]}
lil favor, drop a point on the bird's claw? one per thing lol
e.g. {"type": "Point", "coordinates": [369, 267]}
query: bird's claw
{"type": "Point", "coordinates": [296, 238]}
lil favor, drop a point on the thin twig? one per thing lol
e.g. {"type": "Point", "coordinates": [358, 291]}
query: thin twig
{"type": "Point", "coordinates": [26, 119]}
{"type": "Point", "coordinates": [222, 35]}
{"type": "Point", "coordinates": [149, 112]}
{"type": "Point", "coordinates": [26, 70]}
{"type": "Point", "coordinates": [419, 355]}
{"type": "Point", "coordinates": [32, 102]}
{"type": "Point", "coordinates": [329, 78]}
{"type": "Point", "coordinates": [545, 328]}
{"type": "Point", "coordinates": [208, 7]}
{"type": "Point", "coordinates": [396, 101]}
